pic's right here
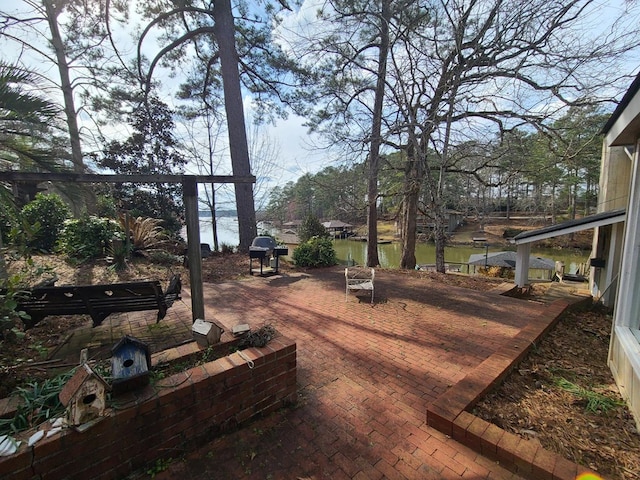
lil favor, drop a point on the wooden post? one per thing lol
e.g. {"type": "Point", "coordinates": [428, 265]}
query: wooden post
{"type": "Point", "coordinates": [522, 264]}
{"type": "Point", "coordinates": [190, 192]}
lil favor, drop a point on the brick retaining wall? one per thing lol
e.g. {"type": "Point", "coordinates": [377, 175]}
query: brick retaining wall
{"type": "Point", "coordinates": [164, 420]}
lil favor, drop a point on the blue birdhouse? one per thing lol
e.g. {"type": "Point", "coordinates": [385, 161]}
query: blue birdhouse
{"type": "Point", "coordinates": [130, 364]}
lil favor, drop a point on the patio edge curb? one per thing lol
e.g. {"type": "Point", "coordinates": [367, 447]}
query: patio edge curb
{"type": "Point", "coordinates": [450, 413]}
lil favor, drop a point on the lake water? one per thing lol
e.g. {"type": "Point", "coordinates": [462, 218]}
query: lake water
{"type": "Point", "coordinates": [390, 254]}
{"type": "Point", "coordinates": [227, 231]}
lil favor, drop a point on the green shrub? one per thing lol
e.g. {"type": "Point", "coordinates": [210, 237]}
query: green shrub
{"type": "Point", "coordinates": [8, 219]}
{"type": "Point", "coordinates": [106, 206]}
{"type": "Point", "coordinates": [39, 401]}
{"type": "Point", "coordinates": [87, 237]}
{"type": "Point", "coordinates": [13, 286]}
{"type": "Point", "coordinates": [47, 213]}
{"type": "Point", "coordinates": [311, 227]}
{"type": "Point", "coordinates": [144, 233]}
{"type": "Point", "coordinates": [315, 252]}
{"type": "Point", "coordinates": [162, 257]}
{"type": "Point", "coordinates": [118, 254]}
{"type": "Point", "coordinates": [10, 294]}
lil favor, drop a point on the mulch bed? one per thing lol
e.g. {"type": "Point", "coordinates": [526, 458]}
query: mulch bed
{"type": "Point", "coordinates": [563, 394]}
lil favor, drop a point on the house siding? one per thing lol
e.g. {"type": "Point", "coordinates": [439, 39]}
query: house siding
{"type": "Point", "coordinates": [620, 187]}
{"type": "Point", "coordinates": [615, 171]}
{"type": "Point", "coordinates": [619, 244]}
{"type": "Point", "coordinates": [624, 352]}
{"type": "Point", "coordinates": [614, 179]}
{"type": "Point", "coordinates": [627, 377]}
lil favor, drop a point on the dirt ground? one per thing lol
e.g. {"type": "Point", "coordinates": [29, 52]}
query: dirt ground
{"type": "Point", "coordinates": [534, 401]}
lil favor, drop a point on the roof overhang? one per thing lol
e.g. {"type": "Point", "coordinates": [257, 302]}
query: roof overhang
{"type": "Point", "coordinates": [623, 126]}
{"type": "Point", "coordinates": [571, 226]}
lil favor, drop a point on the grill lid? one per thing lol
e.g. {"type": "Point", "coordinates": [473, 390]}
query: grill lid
{"type": "Point", "coordinates": [264, 242]}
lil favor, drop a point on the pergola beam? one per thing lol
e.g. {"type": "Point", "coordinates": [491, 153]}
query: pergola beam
{"type": "Point", "coordinates": [13, 176]}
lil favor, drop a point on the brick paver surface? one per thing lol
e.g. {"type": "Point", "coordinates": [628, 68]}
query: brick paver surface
{"type": "Point", "coordinates": [365, 377]}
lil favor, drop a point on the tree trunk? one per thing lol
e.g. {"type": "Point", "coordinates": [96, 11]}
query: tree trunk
{"type": "Point", "coordinates": [374, 154]}
{"type": "Point", "coordinates": [587, 196]}
{"type": "Point", "coordinates": [409, 216]}
{"type": "Point", "coordinates": [66, 86]}
{"type": "Point", "coordinates": [440, 238]}
{"type": "Point", "coordinates": [508, 200]}
{"type": "Point", "coordinates": [553, 204]}
{"type": "Point", "coordinates": [573, 189]}
{"type": "Point", "coordinates": [3, 266]}
{"type": "Point", "coordinates": [214, 219]}
{"type": "Point", "coordinates": [440, 227]}
{"type": "Point", "coordinates": [225, 31]}
{"type": "Point", "coordinates": [212, 198]}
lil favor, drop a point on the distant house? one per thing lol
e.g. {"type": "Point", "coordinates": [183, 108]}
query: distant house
{"type": "Point", "coordinates": [615, 263]}
{"type": "Point", "coordinates": [292, 225]}
{"type": "Point", "coordinates": [338, 229]}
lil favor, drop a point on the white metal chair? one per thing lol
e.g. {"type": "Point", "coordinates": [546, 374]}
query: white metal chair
{"type": "Point", "coordinates": [357, 279]}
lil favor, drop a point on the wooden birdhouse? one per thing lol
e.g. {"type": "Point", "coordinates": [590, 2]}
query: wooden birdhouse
{"type": "Point", "coordinates": [130, 363]}
{"type": "Point", "coordinates": [84, 396]}
{"type": "Point", "coordinates": [206, 333]}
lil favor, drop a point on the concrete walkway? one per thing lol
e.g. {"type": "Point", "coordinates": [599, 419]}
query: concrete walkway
{"type": "Point", "coordinates": [366, 376]}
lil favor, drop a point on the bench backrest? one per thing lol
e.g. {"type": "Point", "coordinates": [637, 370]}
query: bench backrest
{"type": "Point", "coordinates": [117, 290]}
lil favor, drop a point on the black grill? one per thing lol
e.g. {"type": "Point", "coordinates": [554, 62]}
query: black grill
{"type": "Point", "coordinates": [264, 248]}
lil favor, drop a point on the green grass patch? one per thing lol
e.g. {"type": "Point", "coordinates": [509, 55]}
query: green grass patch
{"type": "Point", "coordinates": [594, 402]}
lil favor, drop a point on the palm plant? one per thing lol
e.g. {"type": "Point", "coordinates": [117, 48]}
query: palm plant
{"type": "Point", "coordinates": [25, 122]}
{"type": "Point", "coordinates": [143, 233]}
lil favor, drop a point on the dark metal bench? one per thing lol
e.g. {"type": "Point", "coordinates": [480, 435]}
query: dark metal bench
{"type": "Point", "coordinates": [98, 301]}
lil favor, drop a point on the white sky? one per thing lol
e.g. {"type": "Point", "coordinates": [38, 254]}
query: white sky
{"type": "Point", "coordinates": [296, 150]}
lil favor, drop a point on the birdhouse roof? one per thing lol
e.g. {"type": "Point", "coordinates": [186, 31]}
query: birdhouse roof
{"type": "Point", "coordinates": [84, 373]}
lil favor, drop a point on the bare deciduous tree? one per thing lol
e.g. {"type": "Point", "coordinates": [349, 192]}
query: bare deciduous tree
{"type": "Point", "coordinates": [347, 104]}
{"type": "Point", "coordinates": [483, 68]}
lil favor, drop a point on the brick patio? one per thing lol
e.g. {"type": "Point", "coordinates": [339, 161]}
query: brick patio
{"type": "Point", "coordinates": [367, 376]}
